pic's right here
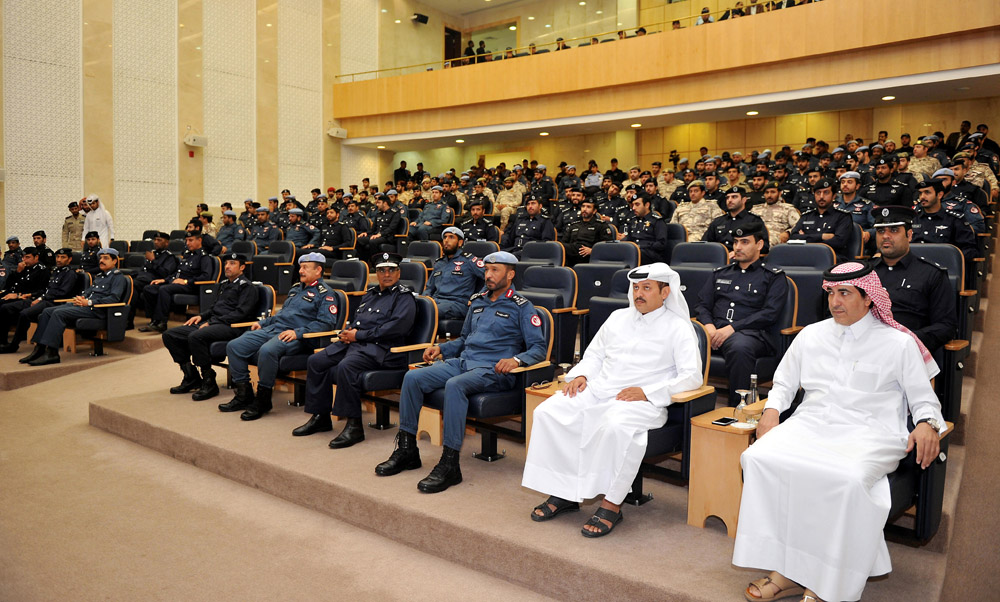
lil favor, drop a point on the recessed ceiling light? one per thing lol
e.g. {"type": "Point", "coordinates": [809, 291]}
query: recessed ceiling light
{"type": "Point", "coordinates": [888, 98]}
{"type": "Point", "coordinates": [583, 4]}
{"type": "Point", "coordinates": [548, 25]}
{"type": "Point", "coordinates": [531, 18]}
{"type": "Point", "coordinates": [85, 23]}
{"type": "Point", "coordinates": [459, 140]}
{"type": "Point", "coordinates": [752, 113]}
{"type": "Point", "coordinates": [398, 21]}
{"type": "Point", "coordinates": [927, 125]}
{"type": "Point", "coordinates": [380, 146]}
{"type": "Point", "coordinates": [619, 25]}
{"type": "Point", "coordinates": [636, 125]}
{"type": "Point", "coordinates": [543, 133]}
{"type": "Point", "coordinates": [385, 10]}
{"type": "Point", "coordinates": [329, 43]}
{"type": "Point", "coordinates": [265, 25]}
{"type": "Point", "coordinates": [197, 47]}
{"type": "Point", "coordinates": [600, 12]}
{"type": "Point", "coordinates": [181, 25]}
{"type": "Point", "coordinates": [513, 28]}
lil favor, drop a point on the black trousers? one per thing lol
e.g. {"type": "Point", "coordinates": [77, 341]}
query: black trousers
{"type": "Point", "coordinates": [191, 343]}
{"type": "Point", "coordinates": [343, 368]}
{"type": "Point", "coordinates": [741, 351]}
{"type": "Point", "coordinates": [157, 298]}
{"type": "Point", "coordinates": [140, 282]}
{"type": "Point", "coordinates": [24, 313]}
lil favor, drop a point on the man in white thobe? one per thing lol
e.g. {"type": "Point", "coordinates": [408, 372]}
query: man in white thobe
{"type": "Point", "coordinates": [99, 220]}
{"type": "Point", "coordinates": [815, 491]}
{"type": "Point", "coordinates": [590, 438]}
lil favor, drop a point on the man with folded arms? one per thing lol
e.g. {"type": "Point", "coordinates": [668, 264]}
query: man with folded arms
{"type": "Point", "coordinates": [590, 438]}
{"type": "Point", "coordinates": [815, 492]}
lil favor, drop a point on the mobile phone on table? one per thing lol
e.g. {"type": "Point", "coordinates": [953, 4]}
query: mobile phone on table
{"type": "Point", "coordinates": [725, 421]}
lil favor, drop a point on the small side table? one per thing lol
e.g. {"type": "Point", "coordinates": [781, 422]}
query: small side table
{"type": "Point", "coordinates": [716, 482]}
{"type": "Point", "coordinates": [532, 398]}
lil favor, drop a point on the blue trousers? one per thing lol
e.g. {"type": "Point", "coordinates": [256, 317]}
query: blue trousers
{"type": "Point", "coordinates": [458, 382]}
{"type": "Point", "coordinates": [261, 347]}
{"type": "Point", "coordinates": [53, 321]}
{"type": "Point", "coordinates": [452, 310]}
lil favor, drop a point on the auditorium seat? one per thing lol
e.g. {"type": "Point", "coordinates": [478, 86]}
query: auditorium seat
{"type": "Point", "coordinates": [413, 275]}
{"type": "Point", "coordinates": [177, 234]}
{"type": "Point", "coordinates": [109, 328]}
{"type": "Point", "coordinates": [350, 276]}
{"type": "Point", "coordinates": [538, 253]}
{"type": "Point", "coordinates": [555, 289]}
{"type": "Point", "coordinates": [424, 251]}
{"type": "Point", "coordinates": [694, 263]}
{"type": "Point", "coordinates": [277, 266]}
{"type": "Point", "coordinates": [676, 234]}
{"type": "Point", "coordinates": [805, 264]}
{"type": "Point", "coordinates": [481, 248]}
{"type": "Point", "coordinates": [595, 276]}
{"type": "Point", "coordinates": [206, 289]}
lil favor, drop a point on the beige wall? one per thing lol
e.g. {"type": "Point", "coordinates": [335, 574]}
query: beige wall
{"type": "Point", "coordinates": [749, 134]}
{"type": "Point", "coordinates": [409, 43]}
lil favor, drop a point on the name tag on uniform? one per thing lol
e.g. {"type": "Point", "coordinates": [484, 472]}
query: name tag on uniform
{"type": "Point", "coordinates": [502, 314]}
{"type": "Point", "coordinates": [724, 281]}
{"type": "Point", "coordinates": [477, 310]}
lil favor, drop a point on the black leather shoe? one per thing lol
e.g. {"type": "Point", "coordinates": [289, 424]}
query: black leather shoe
{"type": "Point", "coordinates": [317, 423]}
{"type": "Point", "coordinates": [406, 456]}
{"type": "Point", "coordinates": [242, 399]}
{"type": "Point", "coordinates": [354, 432]}
{"type": "Point", "coordinates": [445, 474]}
{"type": "Point", "coordinates": [154, 327]}
{"type": "Point", "coordinates": [34, 355]}
{"type": "Point", "coordinates": [9, 348]}
{"type": "Point", "coordinates": [261, 405]}
{"type": "Point", "coordinates": [190, 381]}
{"type": "Point", "coordinates": [209, 388]}
{"type": "Point", "coordinates": [51, 356]}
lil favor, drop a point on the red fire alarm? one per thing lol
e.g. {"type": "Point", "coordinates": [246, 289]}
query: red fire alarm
{"type": "Point", "coordinates": [191, 154]}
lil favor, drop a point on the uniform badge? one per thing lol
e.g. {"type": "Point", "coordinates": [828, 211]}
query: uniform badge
{"type": "Point", "coordinates": [333, 309]}
{"type": "Point", "coordinates": [885, 213]}
{"type": "Point", "coordinates": [510, 293]}
{"type": "Point", "coordinates": [536, 321]}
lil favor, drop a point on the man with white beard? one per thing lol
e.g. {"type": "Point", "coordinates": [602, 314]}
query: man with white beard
{"type": "Point", "coordinates": [590, 438]}
{"type": "Point", "coordinates": [815, 492]}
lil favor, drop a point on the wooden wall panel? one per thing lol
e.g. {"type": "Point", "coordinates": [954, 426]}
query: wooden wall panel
{"type": "Point", "coordinates": [790, 129]}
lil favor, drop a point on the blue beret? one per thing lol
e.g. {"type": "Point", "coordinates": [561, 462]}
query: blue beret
{"type": "Point", "coordinates": [541, 167]}
{"type": "Point", "coordinates": [13, 239]}
{"type": "Point", "coordinates": [295, 211]}
{"type": "Point", "coordinates": [944, 171]}
{"type": "Point", "coordinates": [316, 257]}
{"type": "Point", "coordinates": [392, 191]}
{"type": "Point", "coordinates": [263, 210]}
{"type": "Point", "coordinates": [500, 257]}
{"type": "Point", "coordinates": [348, 195]}
{"type": "Point", "coordinates": [976, 135]}
{"type": "Point", "coordinates": [453, 230]}
{"type": "Point", "coordinates": [108, 251]}
{"type": "Point", "coordinates": [272, 198]}
{"type": "Point", "coordinates": [230, 213]}
{"type": "Point", "coordinates": [438, 188]}
{"type": "Point", "coordinates": [851, 174]}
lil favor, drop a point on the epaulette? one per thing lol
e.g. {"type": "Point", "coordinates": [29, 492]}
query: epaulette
{"type": "Point", "coordinates": [467, 254]}
{"type": "Point", "coordinates": [372, 288]}
{"type": "Point", "coordinates": [722, 267]}
{"type": "Point", "coordinates": [518, 299]}
{"type": "Point", "coordinates": [775, 270]}
{"type": "Point", "coordinates": [806, 212]}
{"type": "Point", "coordinates": [655, 215]}
{"type": "Point", "coordinates": [479, 294]}
{"type": "Point", "coordinates": [933, 263]}
{"type": "Point", "coordinates": [954, 214]}
{"type": "Point", "coordinates": [403, 288]}
{"type": "Point", "coordinates": [116, 271]}
{"type": "Point", "coordinates": [296, 285]}
{"type": "Point", "coordinates": [845, 211]}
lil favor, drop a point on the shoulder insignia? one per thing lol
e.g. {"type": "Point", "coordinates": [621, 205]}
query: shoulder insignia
{"type": "Point", "coordinates": [477, 295]}
{"type": "Point", "coordinates": [808, 211]}
{"type": "Point", "coordinates": [403, 288]}
{"type": "Point", "coordinates": [721, 267]}
{"type": "Point", "coordinates": [775, 270]}
{"type": "Point", "coordinates": [467, 254]}
{"type": "Point", "coordinates": [518, 299]}
{"type": "Point", "coordinates": [844, 211]}
{"type": "Point", "coordinates": [954, 214]}
{"type": "Point", "coordinates": [932, 263]}
{"type": "Point", "coordinates": [321, 288]}
{"type": "Point", "coordinates": [372, 288]}
{"type": "Point", "coordinates": [116, 271]}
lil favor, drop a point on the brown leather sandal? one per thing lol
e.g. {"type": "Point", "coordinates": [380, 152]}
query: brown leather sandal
{"type": "Point", "coordinates": [787, 592]}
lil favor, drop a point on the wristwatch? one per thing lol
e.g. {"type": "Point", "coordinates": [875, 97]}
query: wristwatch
{"type": "Point", "coordinates": [933, 423]}
{"type": "Point", "coordinates": [518, 360]}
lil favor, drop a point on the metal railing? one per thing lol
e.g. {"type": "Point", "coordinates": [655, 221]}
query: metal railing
{"type": "Point", "coordinates": [545, 47]}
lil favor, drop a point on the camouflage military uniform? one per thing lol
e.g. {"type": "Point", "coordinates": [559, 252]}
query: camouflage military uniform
{"type": "Point", "coordinates": [72, 231]}
{"type": "Point", "coordinates": [779, 217]}
{"type": "Point", "coordinates": [979, 172]}
{"type": "Point", "coordinates": [405, 197]}
{"type": "Point", "coordinates": [696, 217]}
{"type": "Point", "coordinates": [507, 203]}
{"type": "Point", "coordinates": [925, 165]}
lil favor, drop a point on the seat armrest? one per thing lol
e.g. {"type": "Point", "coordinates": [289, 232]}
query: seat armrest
{"type": "Point", "coordinates": [564, 310]}
{"type": "Point", "coordinates": [686, 396]}
{"type": "Point", "coordinates": [541, 364]}
{"type": "Point", "coordinates": [283, 263]}
{"type": "Point", "coordinates": [968, 293]}
{"type": "Point", "coordinates": [206, 282]}
{"type": "Point", "coordinates": [120, 304]}
{"type": "Point", "coordinates": [316, 335]}
{"type": "Point", "coordinates": [355, 293]}
{"type": "Point", "coordinates": [979, 259]}
{"type": "Point", "coordinates": [792, 330]}
{"type": "Point", "coordinates": [408, 348]}
{"type": "Point", "coordinates": [956, 345]}
{"type": "Point", "coordinates": [243, 324]}
{"type": "Point", "coordinates": [581, 312]}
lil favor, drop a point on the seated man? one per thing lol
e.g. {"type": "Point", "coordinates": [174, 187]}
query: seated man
{"type": "Point", "coordinates": [382, 321]}
{"type": "Point", "coordinates": [231, 231]}
{"type": "Point", "coordinates": [581, 236]}
{"type": "Point", "coordinates": [264, 231]}
{"type": "Point", "coordinates": [922, 298]}
{"type": "Point", "coordinates": [779, 217]}
{"type": "Point", "coordinates": [527, 227]}
{"type": "Point", "coordinates": [108, 287]}
{"type": "Point", "coordinates": [90, 261]}
{"type": "Point", "coordinates": [160, 264]}
{"type": "Point", "coordinates": [478, 227]}
{"type": "Point", "coordinates": [738, 217]}
{"type": "Point", "coordinates": [195, 266]}
{"type": "Point", "coordinates": [11, 258]}
{"type": "Point", "coordinates": [304, 235]}
{"type": "Point", "coordinates": [309, 307]}
{"type": "Point", "coordinates": [590, 438]}
{"type": "Point", "coordinates": [815, 492]}
{"type": "Point", "coordinates": [739, 304]}
{"type": "Point", "coordinates": [26, 309]}
{"type": "Point", "coordinates": [189, 345]}
{"type": "Point", "coordinates": [825, 223]}
{"type": "Point", "coordinates": [334, 235]}
{"type": "Point", "coordinates": [697, 214]}
{"type": "Point", "coordinates": [646, 229]}
{"type": "Point", "coordinates": [433, 216]}
{"type": "Point", "coordinates": [454, 277]}
{"type": "Point", "coordinates": [501, 332]}
{"type": "Point", "coordinates": [386, 224]}
{"type": "Point", "coordinates": [27, 281]}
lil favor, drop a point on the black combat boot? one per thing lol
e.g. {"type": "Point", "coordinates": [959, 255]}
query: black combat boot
{"type": "Point", "coordinates": [242, 399]}
{"type": "Point", "coordinates": [261, 405]}
{"type": "Point", "coordinates": [209, 388]}
{"type": "Point", "coordinates": [354, 432]}
{"type": "Point", "coordinates": [445, 474]}
{"type": "Point", "coordinates": [406, 456]}
{"type": "Point", "coordinates": [190, 381]}
{"type": "Point", "coordinates": [317, 423]}
{"type": "Point", "coordinates": [50, 356]}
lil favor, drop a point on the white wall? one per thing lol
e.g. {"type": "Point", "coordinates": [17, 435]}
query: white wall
{"type": "Point", "coordinates": [300, 109]}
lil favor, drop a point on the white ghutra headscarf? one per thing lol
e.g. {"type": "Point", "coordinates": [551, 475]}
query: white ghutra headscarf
{"type": "Point", "coordinates": [661, 272]}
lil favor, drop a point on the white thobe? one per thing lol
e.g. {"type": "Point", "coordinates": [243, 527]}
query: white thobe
{"type": "Point", "coordinates": [815, 491]}
{"type": "Point", "coordinates": [591, 444]}
{"type": "Point", "coordinates": [99, 220]}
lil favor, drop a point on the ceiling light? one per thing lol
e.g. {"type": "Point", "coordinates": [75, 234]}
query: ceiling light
{"type": "Point", "coordinates": [197, 47]}
{"type": "Point", "coordinates": [181, 25]}
{"type": "Point", "coordinates": [543, 133]}
{"type": "Point", "coordinates": [265, 25]}
{"type": "Point", "coordinates": [583, 4]}
{"type": "Point", "coordinates": [531, 18]}
{"type": "Point", "coordinates": [513, 28]}
{"type": "Point", "coordinates": [385, 10]}
{"type": "Point", "coordinates": [752, 113]}
{"type": "Point", "coordinates": [888, 98]}
{"type": "Point", "coordinates": [398, 21]}
{"type": "Point", "coordinates": [600, 12]}
{"type": "Point", "coordinates": [380, 146]}
{"type": "Point", "coordinates": [459, 140]}
{"type": "Point", "coordinates": [619, 25]}
{"type": "Point", "coordinates": [636, 125]}
{"type": "Point", "coordinates": [548, 25]}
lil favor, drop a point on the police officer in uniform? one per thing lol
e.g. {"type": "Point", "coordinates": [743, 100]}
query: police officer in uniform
{"type": "Point", "coordinates": [382, 321]}
{"type": "Point", "coordinates": [432, 217]}
{"type": "Point", "coordinates": [231, 231]}
{"type": "Point", "coordinates": [355, 218]}
{"type": "Point", "coordinates": [25, 310]}
{"type": "Point", "coordinates": [956, 202]}
{"type": "Point", "coordinates": [334, 236]}
{"type": "Point", "coordinates": [478, 227]}
{"type": "Point", "coordinates": [934, 223]}
{"type": "Point", "coordinates": [304, 235]}
{"type": "Point", "coordinates": [646, 229]}
{"type": "Point", "coordinates": [454, 277]}
{"type": "Point", "coordinates": [386, 224]}
{"type": "Point", "coordinates": [737, 217]}
{"type": "Point", "coordinates": [696, 214]}
{"type": "Point", "coordinates": [90, 257]}
{"type": "Point", "coordinates": [27, 281]}
{"type": "Point", "coordinates": [582, 235]}
{"type": "Point", "coordinates": [11, 258]}
{"type": "Point", "coordinates": [108, 287]}
{"type": "Point", "coordinates": [45, 254]}
{"type": "Point", "coordinates": [885, 190]}
{"type": "Point", "coordinates": [527, 227]}
{"type": "Point", "coordinates": [72, 230]}
{"type": "Point", "coordinates": [860, 208]}
{"type": "Point", "coordinates": [309, 307]}
{"type": "Point", "coordinates": [922, 298]}
{"type": "Point", "coordinates": [501, 332]}
{"type": "Point", "coordinates": [249, 215]}
{"type": "Point", "coordinates": [160, 263]}
{"type": "Point", "coordinates": [825, 223]}
{"type": "Point", "coordinates": [235, 301]}
{"type": "Point", "coordinates": [740, 304]}
{"type": "Point", "coordinates": [264, 232]}
{"type": "Point", "coordinates": [195, 265]}
{"type": "Point", "coordinates": [779, 217]}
